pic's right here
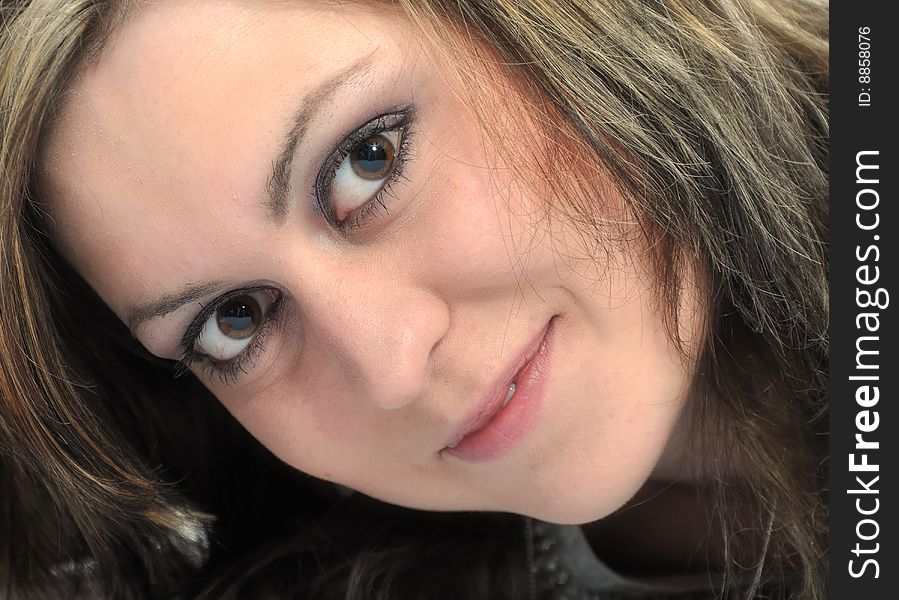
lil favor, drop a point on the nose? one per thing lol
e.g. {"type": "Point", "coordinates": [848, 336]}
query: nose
{"type": "Point", "coordinates": [382, 335]}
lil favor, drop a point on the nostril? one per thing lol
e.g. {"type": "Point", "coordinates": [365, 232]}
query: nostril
{"type": "Point", "coordinates": [409, 347]}
{"type": "Point", "coordinates": [383, 338]}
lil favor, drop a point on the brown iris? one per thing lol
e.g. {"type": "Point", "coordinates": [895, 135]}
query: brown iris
{"type": "Point", "coordinates": [239, 318]}
{"type": "Point", "coordinates": [373, 158]}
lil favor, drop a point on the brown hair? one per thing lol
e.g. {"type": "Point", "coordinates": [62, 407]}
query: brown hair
{"type": "Point", "coordinates": [711, 117]}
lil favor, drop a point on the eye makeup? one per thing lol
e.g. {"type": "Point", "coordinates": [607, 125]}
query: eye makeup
{"type": "Point", "coordinates": [399, 121]}
{"type": "Point", "coordinates": [230, 370]}
{"type": "Point", "coordinates": [396, 124]}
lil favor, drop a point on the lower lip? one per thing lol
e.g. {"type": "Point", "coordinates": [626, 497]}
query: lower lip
{"type": "Point", "coordinates": [516, 418]}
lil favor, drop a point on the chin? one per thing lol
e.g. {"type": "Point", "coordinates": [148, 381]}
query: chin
{"type": "Point", "coordinates": [575, 512]}
{"type": "Point", "coordinates": [576, 503]}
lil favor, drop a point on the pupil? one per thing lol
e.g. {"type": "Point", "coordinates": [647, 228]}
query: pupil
{"type": "Point", "coordinates": [372, 157]}
{"type": "Point", "coordinates": [238, 319]}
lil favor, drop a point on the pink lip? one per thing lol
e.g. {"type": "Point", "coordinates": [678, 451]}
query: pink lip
{"type": "Point", "coordinates": [493, 430]}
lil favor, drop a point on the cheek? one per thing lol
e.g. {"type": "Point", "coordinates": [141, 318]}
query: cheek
{"type": "Point", "coordinates": [479, 233]}
{"type": "Point", "coordinates": [310, 422]}
{"type": "Point", "coordinates": [610, 449]}
{"type": "Point", "coordinates": [637, 383]}
{"type": "Point", "coordinates": [622, 387]}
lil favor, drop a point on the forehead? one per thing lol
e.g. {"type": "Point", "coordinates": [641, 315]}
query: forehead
{"type": "Point", "coordinates": [171, 133]}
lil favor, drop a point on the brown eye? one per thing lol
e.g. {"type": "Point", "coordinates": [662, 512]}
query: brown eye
{"type": "Point", "coordinates": [364, 172]}
{"type": "Point", "coordinates": [373, 158]}
{"type": "Point", "coordinates": [234, 324]}
{"type": "Point", "coordinates": [239, 318]}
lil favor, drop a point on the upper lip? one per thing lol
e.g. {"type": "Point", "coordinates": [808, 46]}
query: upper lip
{"type": "Point", "coordinates": [492, 403]}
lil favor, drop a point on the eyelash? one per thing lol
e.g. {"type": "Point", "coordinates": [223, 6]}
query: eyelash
{"type": "Point", "coordinates": [399, 120]}
{"type": "Point", "coordinates": [227, 371]}
{"type": "Point", "coordinates": [230, 371]}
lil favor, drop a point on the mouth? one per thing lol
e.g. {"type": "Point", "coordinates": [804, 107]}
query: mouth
{"type": "Point", "coordinates": [507, 413]}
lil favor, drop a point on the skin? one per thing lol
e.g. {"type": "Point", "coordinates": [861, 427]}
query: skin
{"type": "Point", "coordinates": [389, 335]}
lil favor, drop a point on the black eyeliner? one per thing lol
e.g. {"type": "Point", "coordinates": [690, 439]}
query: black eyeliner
{"type": "Point", "coordinates": [226, 369]}
{"type": "Point", "coordinates": [399, 119]}
{"type": "Point", "coordinates": [227, 372]}
{"type": "Point", "coordinates": [196, 325]}
{"type": "Point", "coordinates": [376, 203]}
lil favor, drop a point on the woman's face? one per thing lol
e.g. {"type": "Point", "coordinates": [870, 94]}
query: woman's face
{"type": "Point", "coordinates": [297, 201]}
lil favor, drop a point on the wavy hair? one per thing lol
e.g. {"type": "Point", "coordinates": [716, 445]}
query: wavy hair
{"type": "Point", "coordinates": [711, 118]}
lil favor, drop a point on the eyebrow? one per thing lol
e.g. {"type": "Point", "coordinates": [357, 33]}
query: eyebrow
{"type": "Point", "coordinates": [277, 193]}
{"type": "Point", "coordinates": [169, 303]}
{"type": "Point", "coordinates": [278, 185]}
